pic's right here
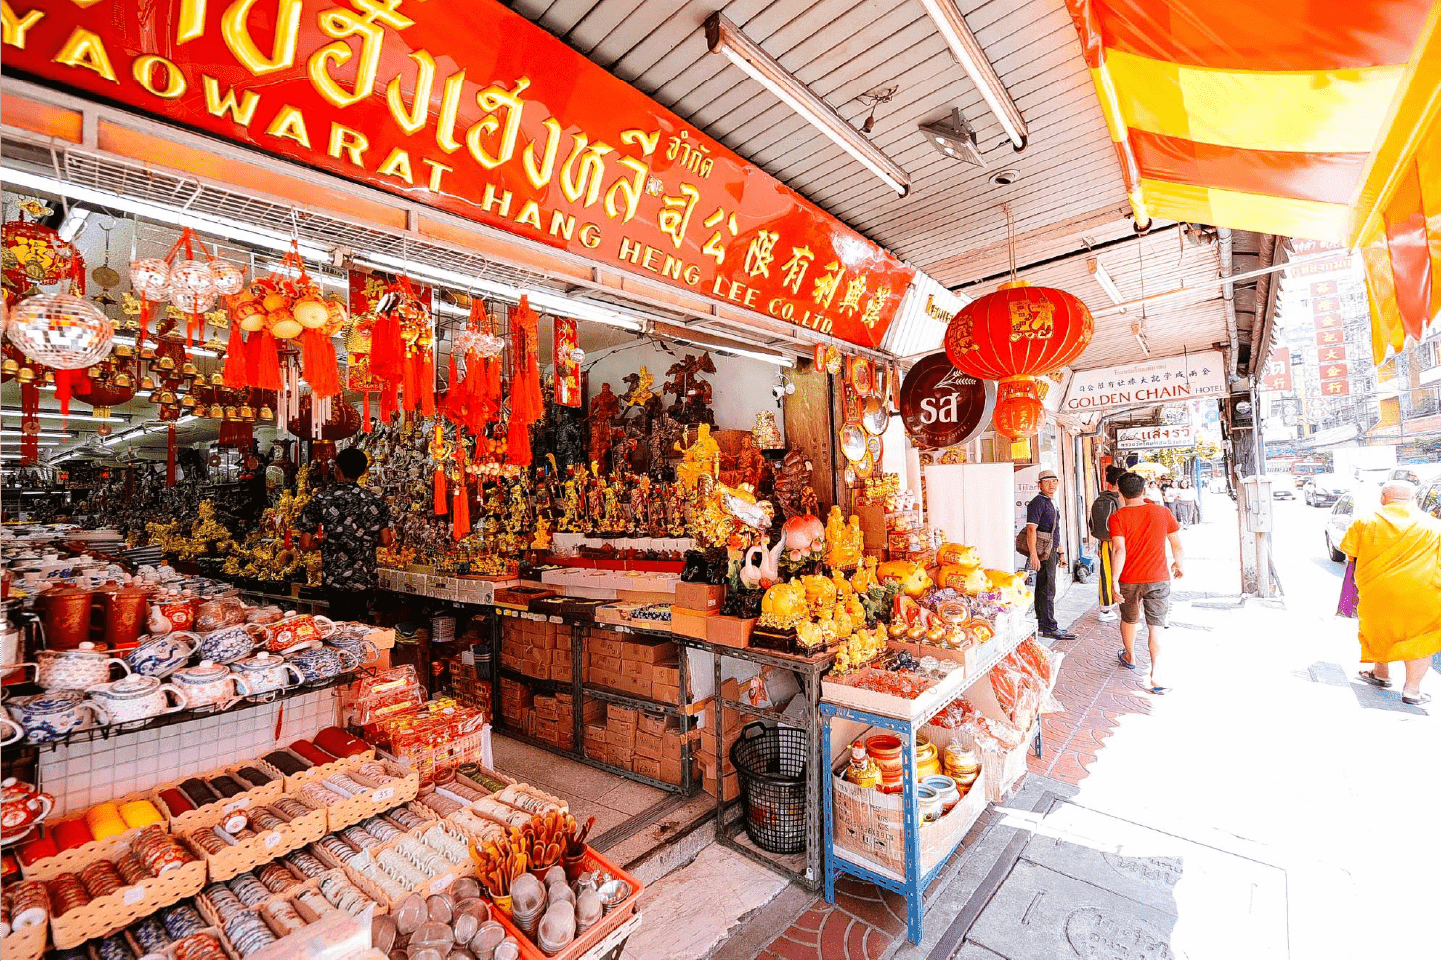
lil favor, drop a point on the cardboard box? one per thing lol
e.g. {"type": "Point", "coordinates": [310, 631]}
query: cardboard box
{"type": "Point", "coordinates": [657, 652]}
{"type": "Point", "coordinates": [732, 787]}
{"type": "Point", "coordinates": [646, 766]}
{"type": "Point", "coordinates": [605, 679]}
{"type": "Point", "coordinates": [668, 674]}
{"type": "Point", "coordinates": [651, 723]}
{"type": "Point", "coordinates": [560, 666]}
{"type": "Point", "coordinates": [671, 770]}
{"type": "Point", "coordinates": [702, 598]}
{"type": "Point", "coordinates": [609, 645]}
{"type": "Point", "coordinates": [546, 730]}
{"type": "Point", "coordinates": [665, 693]}
{"type": "Point", "coordinates": [619, 718]}
{"type": "Point", "coordinates": [689, 623]}
{"type": "Point", "coordinates": [606, 663]}
{"type": "Point", "coordinates": [641, 670]}
{"type": "Point", "coordinates": [648, 745]}
{"type": "Point", "coordinates": [731, 631]}
{"type": "Point", "coordinates": [671, 743]}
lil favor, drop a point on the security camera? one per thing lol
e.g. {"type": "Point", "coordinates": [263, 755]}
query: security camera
{"type": "Point", "coordinates": [778, 391]}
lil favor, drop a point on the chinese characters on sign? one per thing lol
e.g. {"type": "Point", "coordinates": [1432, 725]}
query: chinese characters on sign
{"type": "Point", "coordinates": [1160, 437]}
{"type": "Point", "coordinates": [1155, 381]}
{"type": "Point", "coordinates": [1277, 375]}
{"type": "Point", "coordinates": [1330, 339]}
{"type": "Point", "coordinates": [466, 106]}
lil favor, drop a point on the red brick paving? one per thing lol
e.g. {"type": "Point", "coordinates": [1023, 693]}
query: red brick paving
{"type": "Point", "coordinates": [1095, 692]}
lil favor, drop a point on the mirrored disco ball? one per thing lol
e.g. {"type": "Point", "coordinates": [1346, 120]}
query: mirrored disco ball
{"type": "Point", "coordinates": [150, 276]}
{"type": "Point", "coordinates": [229, 279]}
{"type": "Point", "coordinates": [192, 301]}
{"type": "Point", "coordinates": [193, 275]}
{"type": "Point", "coordinates": [61, 331]}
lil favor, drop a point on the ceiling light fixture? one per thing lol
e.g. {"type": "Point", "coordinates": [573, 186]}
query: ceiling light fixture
{"type": "Point", "coordinates": [74, 220]}
{"type": "Point", "coordinates": [56, 415]}
{"type": "Point", "coordinates": [725, 37]}
{"type": "Point", "coordinates": [43, 435]}
{"type": "Point", "coordinates": [968, 52]}
{"type": "Point", "coordinates": [173, 216]}
{"type": "Point", "coordinates": [955, 138]}
{"type": "Point", "coordinates": [1098, 271]}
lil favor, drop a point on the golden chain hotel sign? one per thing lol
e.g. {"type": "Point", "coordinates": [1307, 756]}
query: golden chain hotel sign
{"type": "Point", "coordinates": [466, 106]}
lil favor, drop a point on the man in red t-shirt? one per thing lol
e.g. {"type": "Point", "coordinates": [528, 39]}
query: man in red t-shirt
{"type": "Point", "coordinates": [1139, 532]}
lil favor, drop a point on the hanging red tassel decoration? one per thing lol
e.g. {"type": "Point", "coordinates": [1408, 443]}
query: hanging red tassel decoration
{"type": "Point", "coordinates": [29, 423]}
{"type": "Point", "coordinates": [319, 366]}
{"type": "Point", "coordinates": [267, 361]}
{"type": "Point", "coordinates": [460, 514]}
{"type": "Point", "coordinates": [527, 405]}
{"type": "Point", "coordinates": [440, 498]}
{"type": "Point", "coordinates": [170, 449]}
{"type": "Point", "coordinates": [365, 421]}
{"type": "Point", "coordinates": [65, 383]}
{"type": "Point", "coordinates": [235, 375]}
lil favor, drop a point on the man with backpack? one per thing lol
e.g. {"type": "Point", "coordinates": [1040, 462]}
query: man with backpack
{"type": "Point", "coordinates": [1106, 504]}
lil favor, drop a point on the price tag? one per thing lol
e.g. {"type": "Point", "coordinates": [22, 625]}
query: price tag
{"type": "Point", "coordinates": [272, 840]}
{"type": "Point", "coordinates": [557, 619]}
{"type": "Point", "coordinates": [134, 895]}
{"type": "Point", "coordinates": [441, 883]}
{"type": "Point", "coordinates": [384, 794]}
{"type": "Point", "coordinates": [239, 804]}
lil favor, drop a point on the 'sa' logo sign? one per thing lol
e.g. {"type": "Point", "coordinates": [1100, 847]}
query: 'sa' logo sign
{"type": "Point", "coordinates": [942, 406]}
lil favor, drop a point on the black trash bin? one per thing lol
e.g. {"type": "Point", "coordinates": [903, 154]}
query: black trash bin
{"type": "Point", "coordinates": [771, 765]}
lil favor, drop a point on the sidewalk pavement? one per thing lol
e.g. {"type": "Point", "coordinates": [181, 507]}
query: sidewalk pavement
{"type": "Point", "coordinates": [1270, 805]}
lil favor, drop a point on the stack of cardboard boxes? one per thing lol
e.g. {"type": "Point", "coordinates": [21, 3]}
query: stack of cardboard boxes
{"type": "Point", "coordinates": [645, 669]}
{"type": "Point", "coordinates": [642, 742]}
{"type": "Point", "coordinates": [551, 719]}
{"type": "Point", "coordinates": [466, 685]}
{"type": "Point", "coordinates": [536, 648]}
{"type": "Point", "coordinates": [733, 721]}
{"type": "Point", "coordinates": [516, 705]}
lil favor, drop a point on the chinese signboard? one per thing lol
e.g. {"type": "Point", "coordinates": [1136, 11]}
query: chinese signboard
{"type": "Point", "coordinates": [465, 106]}
{"type": "Point", "coordinates": [1277, 375]}
{"type": "Point", "coordinates": [1157, 381]}
{"type": "Point", "coordinates": [1159, 437]}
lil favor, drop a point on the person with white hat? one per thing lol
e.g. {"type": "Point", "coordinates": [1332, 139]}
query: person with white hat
{"type": "Point", "coordinates": [1043, 538]}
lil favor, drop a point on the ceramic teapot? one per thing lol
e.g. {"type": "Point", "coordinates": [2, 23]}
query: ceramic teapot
{"type": "Point", "coordinates": [320, 664]}
{"type": "Point", "coordinates": [209, 683]}
{"type": "Point", "coordinates": [295, 631]}
{"type": "Point", "coordinates": [137, 698]}
{"type": "Point", "coordinates": [158, 656]}
{"type": "Point", "coordinates": [355, 644]}
{"type": "Point", "coordinates": [22, 808]}
{"type": "Point", "coordinates": [227, 644]}
{"type": "Point", "coordinates": [73, 669]}
{"type": "Point", "coordinates": [267, 674]}
{"type": "Point", "coordinates": [54, 714]}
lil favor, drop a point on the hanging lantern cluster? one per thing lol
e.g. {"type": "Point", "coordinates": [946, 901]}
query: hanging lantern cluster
{"type": "Point", "coordinates": [193, 285]}
{"type": "Point", "coordinates": [474, 394]}
{"type": "Point", "coordinates": [401, 357]}
{"type": "Point", "coordinates": [1013, 336]}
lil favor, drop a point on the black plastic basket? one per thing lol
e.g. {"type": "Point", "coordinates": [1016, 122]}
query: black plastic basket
{"type": "Point", "coordinates": [771, 764]}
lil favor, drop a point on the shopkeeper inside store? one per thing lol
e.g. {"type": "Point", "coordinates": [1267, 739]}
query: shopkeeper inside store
{"type": "Point", "coordinates": [348, 523]}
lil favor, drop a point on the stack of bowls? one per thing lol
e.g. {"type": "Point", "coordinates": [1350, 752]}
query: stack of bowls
{"type": "Point", "coordinates": [528, 903]}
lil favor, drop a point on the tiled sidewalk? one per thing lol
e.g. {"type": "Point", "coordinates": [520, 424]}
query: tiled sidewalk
{"type": "Point", "coordinates": [866, 921]}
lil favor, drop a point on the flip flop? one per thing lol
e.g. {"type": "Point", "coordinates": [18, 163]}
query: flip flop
{"type": "Point", "coordinates": [1158, 689]}
{"type": "Point", "coordinates": [1121, 656]}
{"type": "Point", "coordinates": [1370, 678]}
{"type": "Point", "coordinates": [1416, 701]}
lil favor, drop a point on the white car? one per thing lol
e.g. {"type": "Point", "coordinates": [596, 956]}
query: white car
{"type": "Point", "coordinates": [1323, 490]}
{"type": "Point", "coordinates": [1341, 516]}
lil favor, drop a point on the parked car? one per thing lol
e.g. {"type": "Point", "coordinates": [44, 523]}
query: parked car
{"type": "Point", "coordinates": [1281, 487]}
{"type": "Point", "coordinates": [1322, 490]}
{"type": "Point", "coordinates": [1418, 474]}
{"type": "Point", "coordinates": [1341, 516]}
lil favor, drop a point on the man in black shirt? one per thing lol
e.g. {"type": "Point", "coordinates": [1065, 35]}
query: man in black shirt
{"type": "Point", "coordinates": [355, 521]}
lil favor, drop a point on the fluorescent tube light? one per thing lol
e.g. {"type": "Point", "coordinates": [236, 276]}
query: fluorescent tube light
{"type": "Point", "coordinates": [968, 52]}
{"type": "Point", "coordinates": [44, 434]}
{"type": "Point", "coordinates": [56, 415]}
{"type": "Point", "coordinates": [43, 443]}
{"type": "Point", "coordinates": [175, 216]}
{"type": "Point", "coordinates": [74, 220]}
{"type": "Point", "coordinates": [1098, 271]}
{"type": "Point", "coordinates": [725, 37]}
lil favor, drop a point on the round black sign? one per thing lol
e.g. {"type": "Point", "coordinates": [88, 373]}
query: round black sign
{"type": "Point", "coordinates": [942, 407]}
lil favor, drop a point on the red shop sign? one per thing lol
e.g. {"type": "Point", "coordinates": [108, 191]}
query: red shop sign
{"type": "Point", "coordinates": [468, 107]}
{"type": "Point", "coordinates": [942, 407]}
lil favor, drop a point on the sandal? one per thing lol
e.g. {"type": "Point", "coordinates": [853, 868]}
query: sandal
{"type": "Point", "coordinates": [1158, 689]}
{"type": "Point", "coordinates": [1416, 701]}
{"type": "Point", "coordinates": [1121, 656]}
{"type": "Point", "coordinates": [1370, 678]}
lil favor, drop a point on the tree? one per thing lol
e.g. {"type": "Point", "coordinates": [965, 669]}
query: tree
{"type": "Point", "coordinates": [1178, 461]}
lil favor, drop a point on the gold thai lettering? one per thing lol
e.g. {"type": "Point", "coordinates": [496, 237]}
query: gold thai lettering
{"type": "Point", "coordinates": [190, 23]}
{"type": "Point", "coordinates": [412, 119]}
{"type": "Point", "coordinates": [675, 213]}
{"type": "Point", "coordinates": [437, 171]}
{"type": "Point", "coordinates": [241, 111]}
{"type": "Point", "coordinates": [494, 99]}
{"type": "Point", "coordinates": [855, 290]}
{"type": "Point", "coordinates": [84, 49]}
{"type": "Point", "coordinates": [235, 30]}
{"type": "Point", "coordinates": [715, 246]}
{"type": "Point", "coordinates": [289, 123]}
{"type": "Point", "coordinates": [823, 291]}
{"type": "Point", "coordinates": [342, 24]}
{"type": "Point", "coordinates": [631, 188]}
{"type": "Point", "coordinates": [1032, 320]}
{"type": "Point", "coordinates": [693, 157]}
{"type": "Point", "coordinates": [144, 71]}
{"type": "Point", "coordinates": [794, 269]}
{"type": "Point", "coordinates": [583, 179]}
{"type": "Point", "coordinates": [449, 109]}
{"type": "Point", "coordinates": [352, 143]}
{"type": "Point", "coordinates": [398, 165]}
{"type": "Point", "coordinates": [13, 28]}
{"type": "Point", "coordinates": [761, 252]}
{"type": "Point", "coordinates": [540, 172]}
{"type": "Point", "coordinates": [530, 214]}
{"type": "Point", "coordinates": [872, 314]}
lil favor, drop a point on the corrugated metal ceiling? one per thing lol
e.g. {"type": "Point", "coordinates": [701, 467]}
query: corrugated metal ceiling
{"type": "Point", "coordinates": [845, 48]}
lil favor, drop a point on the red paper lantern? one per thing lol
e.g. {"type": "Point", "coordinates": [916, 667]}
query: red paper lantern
{"type": "Point", "coordinates": [1018, 411]}
{"type": "Point", "coordinates": [1013, 335]}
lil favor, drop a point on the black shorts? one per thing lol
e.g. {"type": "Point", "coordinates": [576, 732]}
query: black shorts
{"type": "Point", "coordinates": [1152, 596]}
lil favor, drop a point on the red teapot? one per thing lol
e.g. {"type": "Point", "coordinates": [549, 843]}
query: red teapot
{"type": "Point", "coordinates": [22, 808]}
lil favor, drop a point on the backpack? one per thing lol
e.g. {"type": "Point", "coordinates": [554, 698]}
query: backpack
{"type": "Point", "coordinates": [1101, 510]}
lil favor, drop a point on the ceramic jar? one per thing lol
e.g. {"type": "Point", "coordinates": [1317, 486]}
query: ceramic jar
{"type": "Point", "coordinates": [158, 656]}
{"type": "Point", "coordinates": [67, 615]}
{"type": "Point", "coordinates": [928, 762]}
{"type": "Point", "coordinates": [137, 697]}
{"type": "Point", "coordinates": [21, 809]}
{"type": "Point", "coordinates": [172, 614]}
{"type": "Point", "coordinates": [319, 664]}
{"type": "Point", "coordinates": [54, 714]}
{"type": "Point", "coordinates": [266, 674]}
{"type": "Point", "coordinates": [73, 669]}
{"type": "Point", "coordinates": [295, 631]}
{"type": "Point", "coordinates": [885, 750]}
{"type": "Point", "coordinates": [209, 683]}
{"type": "Point", "coordinates": [227, 644]}
{"type": "Point", "coordinates": [124, 616]}
{"type": "Point", "coordinates": [945, 789]}
{"type": "Point", "coordinates": [928, 803]}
